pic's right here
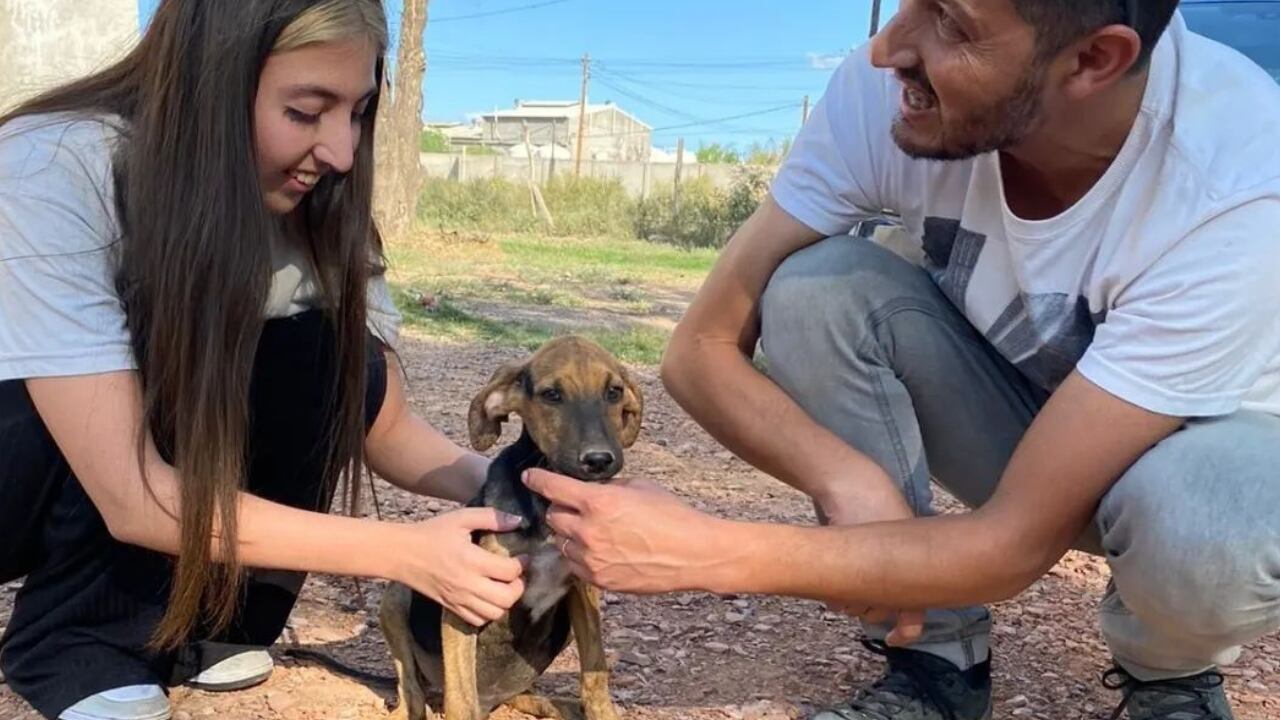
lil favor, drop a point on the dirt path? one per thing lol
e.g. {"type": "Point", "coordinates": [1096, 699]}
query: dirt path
{"type": "Point", "coordinates": [698, 657]}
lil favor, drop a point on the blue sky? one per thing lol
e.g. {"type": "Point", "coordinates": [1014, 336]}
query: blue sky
{"type": "Point", "coordinates": [673, 63]}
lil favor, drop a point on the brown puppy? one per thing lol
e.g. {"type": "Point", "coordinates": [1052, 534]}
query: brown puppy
{"type": "Point", "coordinates": [580, 409]}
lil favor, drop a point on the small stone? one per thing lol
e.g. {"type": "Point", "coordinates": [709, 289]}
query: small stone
{"type": "Point", "coordinates": [280, 702]}
{"type": "Point", "coordinates": [716, 647]}
{"type": "Point", "coordinates": [761, 627]}
{"type": "Point", "coordinates": [742, 604]}
{"type": "Point", "coordinates": [764, 710]}
{"type": "Point", "coordinates": [348, 714]}
{"type": "Point", "coordinates": [733, 617]}
{"type": "Point", "coordinates": [1019, 701]}
{"type": "Point", "coordinates": [1257, 686]}
{"type": "Point", "coordinates": [181, 715]}
{"type": "Point", "coordinates": [1264, 666]}
{"type": "Point", "coordinates": [635, 657]}
{"type": "Point", "coordinates": [1022, 712]}
{"type": "Point", "coordinates": [207, 712]}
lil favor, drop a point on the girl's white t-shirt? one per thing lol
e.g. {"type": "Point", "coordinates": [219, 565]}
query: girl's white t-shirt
{"type": "Point", "coordinates": [60, 314]}
{"type": "Point", "coordinates": [1161, 285]}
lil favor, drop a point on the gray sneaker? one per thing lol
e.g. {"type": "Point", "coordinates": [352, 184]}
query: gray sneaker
{"type": "Point", "coordinates": [1199, 697]}
{"type": "Point", "coordinates": [919, 686]}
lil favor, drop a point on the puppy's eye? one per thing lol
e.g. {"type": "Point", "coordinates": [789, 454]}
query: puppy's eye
{"type": "Point", "coordinates": [613, 394]}
{"type": "Point", "coordinates": [551, 395]}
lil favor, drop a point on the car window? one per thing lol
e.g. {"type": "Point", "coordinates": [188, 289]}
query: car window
{"type": "Point", "coordinates": [1253, 28]}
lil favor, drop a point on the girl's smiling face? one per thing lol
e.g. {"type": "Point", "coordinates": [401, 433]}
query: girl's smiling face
{"type": "Point", "coordinates": [307, 116]}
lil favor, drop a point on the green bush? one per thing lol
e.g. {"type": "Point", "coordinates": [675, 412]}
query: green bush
{"type": "Point", "coordinates": [589, 207]}
{"type": "Point", "coordinates": [434, 141]}
{"type": "Point", "coordinates": [483, 205]}
{"type": "Point", "coordinates": [700, 221]}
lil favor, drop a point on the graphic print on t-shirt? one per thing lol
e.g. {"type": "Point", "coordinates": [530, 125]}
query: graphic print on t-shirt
{"type": "Point", "coordinates": [1043, 334]}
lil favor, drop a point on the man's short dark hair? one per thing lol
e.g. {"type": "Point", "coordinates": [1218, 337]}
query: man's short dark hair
{"type": "Point", "coordinates": [1059, 23]}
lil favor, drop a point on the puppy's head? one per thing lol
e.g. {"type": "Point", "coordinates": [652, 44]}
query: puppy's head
{"type": "Point", "coordinates": [577, 402]}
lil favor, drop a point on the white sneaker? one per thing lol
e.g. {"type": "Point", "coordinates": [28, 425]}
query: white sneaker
{"type": "Point", "coordinates": [135, 702]}
{"type": "Point", "coordinates": [249, 668]}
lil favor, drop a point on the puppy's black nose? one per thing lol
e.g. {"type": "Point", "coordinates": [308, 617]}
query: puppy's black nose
{"type": "Point", "coordinates": [596, 461]}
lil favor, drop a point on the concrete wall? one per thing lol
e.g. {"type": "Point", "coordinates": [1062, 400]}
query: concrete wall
{"type": "Point", "coordinates": [611, 133]}
{"type": "Point", "coordinates": [639, 178]}
{"type": "Point", "coordinates": [47, 42]}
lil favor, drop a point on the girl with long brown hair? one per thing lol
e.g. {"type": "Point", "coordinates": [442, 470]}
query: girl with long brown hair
{"type": "Point", "coordinates": [194, 329]}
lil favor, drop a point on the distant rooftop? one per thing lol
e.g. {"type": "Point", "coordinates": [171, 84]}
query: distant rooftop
{"type": "Point", "coordinates": [552, 110]}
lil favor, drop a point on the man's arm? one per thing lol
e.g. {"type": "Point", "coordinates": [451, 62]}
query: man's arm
{"type": "Point", "coordinates": [708, 370]}
{"type": "Point", "coordinates": [637, 540]}
{"type": "Point", "coordinates": [409, 453]}
{"type": "Point", "coordinates": [1077, 448]}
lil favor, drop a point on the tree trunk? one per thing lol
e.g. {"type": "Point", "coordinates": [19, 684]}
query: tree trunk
{"type": "Point", "coordinates": [399, 171]}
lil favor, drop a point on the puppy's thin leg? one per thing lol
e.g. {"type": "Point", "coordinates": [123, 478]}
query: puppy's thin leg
{"type": "Point", "coordinates": [545, 708]}
{"type": "Point", "coordinates": [461, 697]}
{"type": "Point", "coordinates": [584, 610]}
{"type": "Point", "coordinates": [393, 617]}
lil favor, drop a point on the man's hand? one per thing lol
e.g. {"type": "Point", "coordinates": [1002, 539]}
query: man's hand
{"type": "Point", "coordinates": [850, 511]}
{"type": "Point", "coordinates": [632, 537]}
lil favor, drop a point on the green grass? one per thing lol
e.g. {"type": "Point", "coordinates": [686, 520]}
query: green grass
{"type": "Point", "coordinates": [624, 260]}
{"type": "Point", "coordinates": [466, 275]}
{"type": "Point", "coordinates": [635, 345]}
{"type": "Point", "coordinates": [513, 266]}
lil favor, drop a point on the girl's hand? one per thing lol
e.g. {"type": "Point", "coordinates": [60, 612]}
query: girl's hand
{"type": "Point", "coordinates": [440, 561]}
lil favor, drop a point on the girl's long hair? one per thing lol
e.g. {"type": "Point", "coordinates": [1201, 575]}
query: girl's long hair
{"type": "Point", "coordinates": [194, 263]}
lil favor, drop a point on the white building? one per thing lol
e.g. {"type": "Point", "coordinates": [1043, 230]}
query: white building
{"type": "Point", "coordinates": [611, 132]}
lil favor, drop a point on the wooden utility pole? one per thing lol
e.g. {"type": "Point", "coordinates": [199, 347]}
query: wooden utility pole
{"type": "Point", "coordinates": [582, 114]}
{"type": "Point", "coordinates": [804, 115]}
{"type": "Point", "coordinates": [875, 17]}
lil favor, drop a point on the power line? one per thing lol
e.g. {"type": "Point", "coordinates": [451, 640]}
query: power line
{"type": "Point", "coordinates": [492, 13]}
{"type": "Point", "coordinates": [662, 87]}
{"type": "Point", "coordinates": [699, 123]}
{"type": "Point", "coordinates": [643, 65]}
{"type": "Point", "coordinates": [645, 101]}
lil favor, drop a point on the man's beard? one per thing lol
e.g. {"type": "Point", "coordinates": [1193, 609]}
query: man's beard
{"type": "Point", "coordinates": [1003, 124]}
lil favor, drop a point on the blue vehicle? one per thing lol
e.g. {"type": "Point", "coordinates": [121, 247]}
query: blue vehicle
{"type": "Point", "coordinates": [1250, 26]}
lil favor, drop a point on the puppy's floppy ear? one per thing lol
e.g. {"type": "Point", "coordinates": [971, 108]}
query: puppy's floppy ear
{"type": "Point", "coordinates": [632, 410]}
{"type": "Point", "coordinates": [491, 407]}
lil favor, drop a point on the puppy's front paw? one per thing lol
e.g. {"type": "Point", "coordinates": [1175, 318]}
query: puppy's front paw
{"type": "Point", "coordinates": [602, 711]}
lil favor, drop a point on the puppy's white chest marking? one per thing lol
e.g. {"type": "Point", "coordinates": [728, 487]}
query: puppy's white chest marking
{"type": "Point", "coordinates": [546, 581]}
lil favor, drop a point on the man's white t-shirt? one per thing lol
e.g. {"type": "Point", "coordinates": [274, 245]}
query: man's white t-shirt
{"type": "Point", "coordinates": [60, 314]}
{"type": "Point", "coordinates": [1161, 285]}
